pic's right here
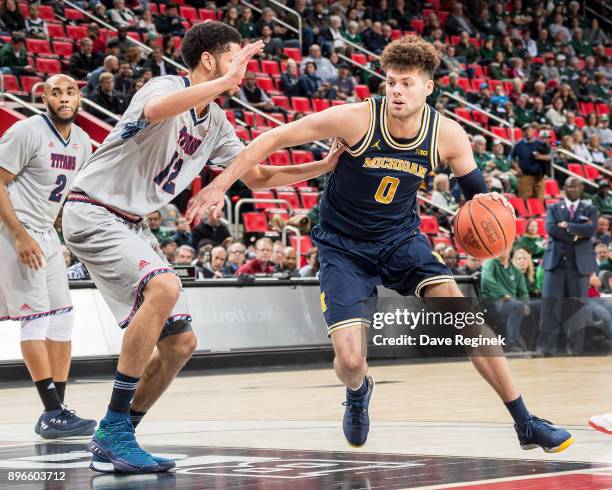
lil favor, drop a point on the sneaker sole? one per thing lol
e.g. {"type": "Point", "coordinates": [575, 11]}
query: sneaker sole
{"type": "Point", "coordinates": [600, 428]}
{"type": "Point", "coordinates": [59, 434]}
{"type": "Point", "coordinates": [108, 467]}
{"type": "Point", "coordinates": [117, 466]}
{"type": "Point", "coordinates": [349, 443]}
{"type": "Point", "coordinates": [561, 447]}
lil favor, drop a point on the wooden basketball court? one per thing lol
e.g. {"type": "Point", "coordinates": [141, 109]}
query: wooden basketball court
{"type": "Point", "coordinates": [434, 425]}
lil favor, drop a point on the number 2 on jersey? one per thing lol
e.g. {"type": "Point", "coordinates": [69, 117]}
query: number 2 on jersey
{"type": "Point", "coordinates": [171, 171]}
{"type": "Point", "coordinates": [56, 194]}
{"type": "Point", "coordinates": [386, 189]}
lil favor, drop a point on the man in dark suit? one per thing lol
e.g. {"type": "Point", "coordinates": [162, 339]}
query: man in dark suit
{"type": "Point", "coordinates": [569, 261]}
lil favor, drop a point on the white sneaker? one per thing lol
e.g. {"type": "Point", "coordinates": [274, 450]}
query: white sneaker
{"type": "Point", "coordinates": [602, 423]}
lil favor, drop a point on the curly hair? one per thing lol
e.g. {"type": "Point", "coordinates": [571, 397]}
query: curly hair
{"type": "Point", "coordinates": [209, 37]}
{"type": "Point", "coordinates": [410, 52]}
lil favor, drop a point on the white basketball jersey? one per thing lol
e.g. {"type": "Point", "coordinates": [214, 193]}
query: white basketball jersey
{"type": "Point", "coordinates": [140, 167]}
{"type": "Point", "coordinates": [45, 164]}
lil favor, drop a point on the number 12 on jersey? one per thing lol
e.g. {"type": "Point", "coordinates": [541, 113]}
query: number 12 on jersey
{"type": "Point", "coordinates": [386, 189]}
{"type": "Point", "coordinates": [171, 171]}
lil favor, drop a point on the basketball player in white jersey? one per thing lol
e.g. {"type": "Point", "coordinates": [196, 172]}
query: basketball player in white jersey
{"type": "Point", "coordinates": [39, 158]}
{"type": "Point", "coordinates": [168, 133]}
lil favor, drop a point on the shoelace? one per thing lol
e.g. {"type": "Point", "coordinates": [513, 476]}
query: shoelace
{"type": "Point", "coordinates": [355, 409]}
{"type": "Point", "coordinates": [528, 432]}
{"type": "Point", "coordinates": [68, 414]}
{"type": "Point", "coordinates": [123, 439]}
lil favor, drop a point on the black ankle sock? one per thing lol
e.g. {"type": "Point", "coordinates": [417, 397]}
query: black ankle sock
{"type": "Point", "coordinates": [518, 410]}
{"type": "Point", "coordinates": [361, 390]}
{"type": "Point", "coordinates": [48, 394]}
{"type": "Point", "coordinates": [60, 386]}
{"type": "Point", "coordinates": [136, 417]}
{"type": "Point", "coordinates": [123, 392]}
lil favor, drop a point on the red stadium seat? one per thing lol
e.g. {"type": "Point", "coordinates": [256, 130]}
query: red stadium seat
{"type": "Point", "coordinates": [519, 206]}
{"type": "Point", "coordinates": [253, 65]}
{"type": "Point", "coordinates": [281, 101]}
{"type": "Point", "coordinates": [270, 67]}
{"type": "Point", "coordinates": [243, 133]}
{"type": "Point", "coordinates": [603, 109]}
{"type": "Point", "coordinates": [359, 58]}
{"type": "Point", "coordinates": [290, 196]}
{"type": "Point", "coordinates": [73, 14]}
{"type": "Point", "coordinates": [550, 202]}
{"type": "Point", "coordinates": [280, 157]}
{"type": "Point", "coordinates": [521, 226]}
{"type": "Point", "coordinates": [207, 14]}
{"type": "Point", "coordinates": [48, 66]}
{"type": "Point", "coordinates": [134, 35]}
{"type": "Point", "coordinates": [535, 207]}
{"type": "Point", "coordinates": [56, 30]}
{"type": "Point", "coordinates": [231, 116]}
{"type": "Point", "coordinates": [464, 113]}
{"type": "Point", "coordinates": [429, 225]}
{"type": "Point", "coordinates": [302, 156]}
{"type": "Point", "coordinates": [256, 132]}
{"type": "Point", "coordinates": [542, 226]}
{"type": "Point", "coordinates": [253, 120]}
{"type": "Point", "coordinates": [591, 172]}
{"type": "Point", "coordinates": [362, 91]}
{"type": "Point", "coordinates": [338, 102]}
{"type": "Point", "coordinates": [46, 12]}
{"type": "Point", "coordinates": [76, 32]}
{"type": "Point", "coordinates": [301, 104]}
{"type": "Point", "coordinates": [27, 82]}
{"type": "Point", "coordinates": [499, 131]}
{"type": "Point", "coordinates": [518, 134]}
{"type": "Point", "coordinates": [576, 168]}
{"type": "Point", "coordinates": [418, 25]}
{"type": "Point", "coordinates": [263, 195]}
{"type": "Point", "coordinates": [477, 71]}
{"type": "Point", "coordinates": [481, 118]}
{"type": "Point", "coordinates": [320, 104]}
{"type": "Point", "coordinates": [464, 83]}
{"type": "Point", "coordinates": [189, 13]}
{"type": "Point", "coordinates": [586, 108]}
{"type": "Point", "coordinates": [580, 121]}
{"type": "Point", "coordinates": [38, 46]}
{"type": "Point", "coordinates": [62, 48]}
{"type": "Point", "coordinates": [309, 199]}
{"type": "Point", "coordinates": [11, 84]}
{"type": "Point", "coordinates": [476, 83]}
{"type": "Point", "coordinates": [254, 222]}
{"type": "Point", "coordinates": [266, 84]}
{"type": "Point", "coordinates": [305, 244]}
{"type": "Point", "coordinates": [278, 116]}
{"type": "Point", "coordinates": [293, 53]}
{"type": "Point", "coordinates": [551, 188]}
{"type": "Point", "coordinates": [494, 83]}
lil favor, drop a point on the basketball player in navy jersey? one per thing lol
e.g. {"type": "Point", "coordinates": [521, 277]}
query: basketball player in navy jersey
{"type": "Point", "coordinates": [369, 228]}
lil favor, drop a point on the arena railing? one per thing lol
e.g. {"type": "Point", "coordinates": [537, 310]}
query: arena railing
{"type": "Point", "coordinates": [292, 229]}
{"type": "Point", "coordinates": [249, 200]}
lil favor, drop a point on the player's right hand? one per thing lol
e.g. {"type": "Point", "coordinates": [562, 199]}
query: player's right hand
{"type": "Point", "coordinates": [238, 67]}
{"type": "Point", "coordinates": [29, 252]}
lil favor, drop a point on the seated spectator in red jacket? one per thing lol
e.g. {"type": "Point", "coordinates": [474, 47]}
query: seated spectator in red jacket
{"type": "Point", "coordinates": [261, 263]}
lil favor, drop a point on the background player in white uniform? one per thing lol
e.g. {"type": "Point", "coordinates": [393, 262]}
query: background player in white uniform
{"type": "Point", "coordinates": [168, 133]}
{"type": "Point", "coordinates": [39, 158]}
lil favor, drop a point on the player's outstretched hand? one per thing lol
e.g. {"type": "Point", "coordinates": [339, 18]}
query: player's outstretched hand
{"type": "Point", "coordinates": [238, 67]}
{"type": "Point", "coordinates": [208, 202]}
{"type": "Point", "coordinates": [338, 147]}
{"type": "Point", "coordinates": [29, 252]}
{"type": "Point", "coordinates": [498, 197]}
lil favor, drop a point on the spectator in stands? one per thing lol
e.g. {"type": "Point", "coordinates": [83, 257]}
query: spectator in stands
{"type": "Point", "coordinates": [111, 65]}
{"type": "Point", "coordinates": [570, 127]}
{"type": "Point", "coordinates": [185, 255]}
{"type": "Point", "coordinates": [580, 149]}
{"type": "Point", "coordinates": [569, 260]}
{"type": "Point", "coordinates": [157, 64]}
{"type": "Point", "coordinates": [344, 85]}
{"type": "Point", "coordinates": [441, 195]}
{"type": "Point", "coordinates": [168, 247]}
{"type": "Point", "coordinates": [182, 236]}
{"type": "Point", "coordinates": [35, 26]}
{"type": "Point", "coordinates": [483, 159]}
{"type": "Point", "coordinates": [107, 97]}
{"type": "Point", "coordinates": [273, 46]}
{"type": "Point", "coordinates": [466, 50]}
{"type": "Point", "coordinates": [432, 23]}
{"type": "Point", "coordinates": [597, 151]}
{"type": "Point", "coordinates": [246, 26]}
{"type": "Point", "coordinates": [257, 97]}
{"type": "Point", "coordinates": [317, 19]}
{"type": "Point", "coordinates": [352, 33]}
{"type": "Point", "coordinates": [539, 111]}
{"type": "Point", "coordinates": [373, 38]}
{"type": "Point", "coordinates": [236, 254]}
{"type": "Point", "coordinates": [602, 256]}
{"type": "Point", "coordinates": [325, 69]}
{"type": "Point", "coordinates": [121, 16]}
{"type": "Point", "coordinates": [14, 57]}
{"type": "Point", "coordinates": [289, 79]}
{"type": "Point", "coordinates": [550, 70]}
{"type": "Point", "coordinates": [215, 268]}
{"type": "Point", "coordinates": [523, 261]}
{"type": "Point", "coordinates": [11, 16]}
{"type": "Point", "coordinates": [288, 264]}
{"type": "Point", "coordinates": [154, 220]}
{"type": "Point", "coordinates": [506, 284]}
{"type": "Point", "coordinates": [529, 157]}
{"type": "Point", "coordinates": [604, 131]}
{"type": "Point", "coordinates": [170, 22]}
{"type": "Point", "coordinates": [532, 241]}
{"type": "Point", "coordinates": [544, 43]}
{"type": "Point", "coordinates": [602, 233]}
{"type": "Point", "coordinates": [124, 81]}
{"type": "Point", "coordinates": [591, 126]}
{"type": "Point", "coordinates": [472, 266]}
{"type": "Point", "coordinates": [401, 16]}
{"type": "Point", "coordinates": [457, 22]}
{"type": "Point", "coordinates": [330, 37]}
{"type": "Point", "coordinates": [146, 24]}
{"type": "Point", "coordinates": [497, 67]}
{"type": "Point", "coordinates": [450, 259]}
{"type": "Point", "coordinates": [454, 88]}
{"type": "Point", "coordinates": [596, 35]}
{"type": "Point", "coordinates": [277, 253]}
{"type": "Point", "coordinates": [557, 26]}
{"type": "Point", "coordinates": [309, 82]}
{"type": "Point", "coordinates": [266, 19]}
{"type": "Point", "coordinates": [556, 114]}
{"type": "Point", "coordinates": [602, 199]}
{"type": "Point", "coordinates": [212, 230]}
{"type": "Point", "coordinates": [524, 114]}
{"type": "Point", "coordinates": [311, 269]}
{"type": "Point", "coordinates": [582, 87]}
{"type": "Point", "coordinates": [83, 61]}
{"type": "Point", "coordinates": [261, 263]}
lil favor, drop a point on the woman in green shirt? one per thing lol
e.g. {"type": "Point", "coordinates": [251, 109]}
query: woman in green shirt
{"type": "Point", "coordinates": [532, 241]}
{"type": "Point", "coordinates": [522, 260]}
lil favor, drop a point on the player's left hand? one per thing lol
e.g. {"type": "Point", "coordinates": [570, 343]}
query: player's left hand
{"type": "Point", "coordinates": [208, 202]}
{"type": "Point", "coordinates": [338, 147]}
{"type": "Point", "coordinates": [498, 197]}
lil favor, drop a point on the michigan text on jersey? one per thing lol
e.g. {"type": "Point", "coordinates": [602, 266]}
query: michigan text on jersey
{"type": "Point", "coordinates": [396, 164]}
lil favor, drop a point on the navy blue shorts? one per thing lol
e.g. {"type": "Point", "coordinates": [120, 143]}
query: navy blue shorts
{"type": "Point", "coordinates": [351, 270]}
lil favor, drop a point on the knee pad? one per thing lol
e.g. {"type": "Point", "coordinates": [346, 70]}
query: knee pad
{"type": "Point", "coordinates": [60, 327]}
{"type": "Point", "coordinates": [175, 327]}
{"type": "Point", "coordinates": [34, 329]}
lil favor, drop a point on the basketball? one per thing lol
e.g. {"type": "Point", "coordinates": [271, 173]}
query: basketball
{"type": "Point", "coordinates": [485, 228]}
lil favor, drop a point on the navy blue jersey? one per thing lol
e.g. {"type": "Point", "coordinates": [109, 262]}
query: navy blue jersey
{"type": "Point", "coordinates": [372, 193]}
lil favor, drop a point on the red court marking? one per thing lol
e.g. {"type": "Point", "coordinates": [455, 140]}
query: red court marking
{"type": "Point", "coordinates": [579, 481]}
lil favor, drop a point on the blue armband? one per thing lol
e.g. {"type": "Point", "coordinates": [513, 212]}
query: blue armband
{"type": "Point", "coordinates": [472, 183]}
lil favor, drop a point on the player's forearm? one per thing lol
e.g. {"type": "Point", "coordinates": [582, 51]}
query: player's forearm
{"type": "Point", "coordinates": [8, 216]}
{"type": "Point", "coordinates": [175, 103]}
{"type": "Point", "coordinates": [271, 177]}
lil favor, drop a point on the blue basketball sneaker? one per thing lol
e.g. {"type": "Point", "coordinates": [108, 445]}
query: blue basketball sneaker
{"type": "Point", "coordinates": [63, 423]}
{"type": "Point", "coordinates": [115, 448]}
{"type": "Point", "coordinates": [542, 433]}
{"type": "Point", "coordinates": [356, 423]}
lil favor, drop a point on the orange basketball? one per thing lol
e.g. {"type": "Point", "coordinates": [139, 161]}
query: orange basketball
{"type": "Point", "coordinates": [485, 228]}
